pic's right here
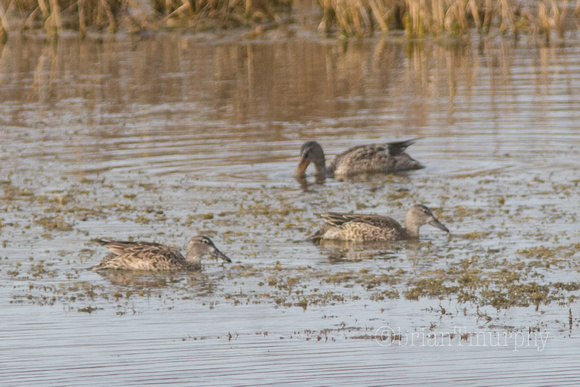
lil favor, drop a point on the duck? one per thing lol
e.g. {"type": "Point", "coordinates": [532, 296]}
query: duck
{"type": "Point", "coordinates": [375, 158]}
{"type": "Point", "coordinates": [367, 228]}
{"type": "Point", "coordinates": [151, 256]}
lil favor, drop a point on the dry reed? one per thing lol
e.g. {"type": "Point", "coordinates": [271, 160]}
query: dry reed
{"type": "Point", "coordinates": [53, 16]}
{"type": "Point", "coordinates": [436, 17]}
{"type": "Point", "coordinates": [348, 17]}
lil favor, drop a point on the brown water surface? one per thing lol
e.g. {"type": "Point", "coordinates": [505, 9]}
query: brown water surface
{"type": "Point", "coordinates": [166, 136]}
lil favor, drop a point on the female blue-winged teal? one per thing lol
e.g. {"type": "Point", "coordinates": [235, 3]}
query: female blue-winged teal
{"type": "Point", "coordinates": [157, 257]}
{"type": "Point", "coordinates": [359, 159]}
{"type": "Point", "coordinates": [360, 228]}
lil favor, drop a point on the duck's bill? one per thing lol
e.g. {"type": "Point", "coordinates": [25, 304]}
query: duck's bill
{"type": "Point", "coordinates": [435, 223]}
{"type": "Point", "coordinates": [301, 168]}
{"type": "Point", "coordinates": [218, 254]}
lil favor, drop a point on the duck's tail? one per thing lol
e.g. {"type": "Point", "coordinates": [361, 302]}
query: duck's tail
{"type": "Point", "coordinates": [397, 147]}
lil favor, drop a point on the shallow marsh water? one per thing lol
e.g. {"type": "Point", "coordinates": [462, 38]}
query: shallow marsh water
{"type": "Point", "coordinates": [163, 137]}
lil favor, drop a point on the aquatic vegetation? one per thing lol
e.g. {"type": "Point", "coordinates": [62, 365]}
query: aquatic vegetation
{"type": "Point", "coordinates": [54, 223]}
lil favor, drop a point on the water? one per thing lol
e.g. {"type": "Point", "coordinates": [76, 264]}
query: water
{"type": "Point", "coordinates": [163, 137]}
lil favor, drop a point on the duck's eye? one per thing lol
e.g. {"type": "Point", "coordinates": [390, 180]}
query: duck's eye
{"type": "Point", "coordinates": [205, 241]}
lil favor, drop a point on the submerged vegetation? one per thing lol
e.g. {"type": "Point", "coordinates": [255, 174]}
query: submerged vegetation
{"type": "Point", "coordinates": [465, 276]}
{"type": "Point", "coordinates": [416, 18]}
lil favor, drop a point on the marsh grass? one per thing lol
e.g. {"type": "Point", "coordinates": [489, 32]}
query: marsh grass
{"type": "Point", "coordinates": [436, 17]}
{"type": "Point", "coordinates": [54, 16]}
{"type": "Point", "coordinates": [416, 18]}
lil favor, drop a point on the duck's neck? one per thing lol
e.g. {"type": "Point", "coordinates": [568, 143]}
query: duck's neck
{"type": "Point", "coordinates": [411, 227]}
{"type": "Point", "coordinates": [320, 166]}
{"type": "Point", "coordinates": [193, 263]}
{"type": "Point", "coordinates": [193, 259]}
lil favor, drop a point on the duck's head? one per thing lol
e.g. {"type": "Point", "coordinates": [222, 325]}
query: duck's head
{"type": "Point", "coordinates": [311, 152]}
{"type": "Point", "coordinates": [419, 215]}
{"type": "Point", "coordinates": [201, 245]}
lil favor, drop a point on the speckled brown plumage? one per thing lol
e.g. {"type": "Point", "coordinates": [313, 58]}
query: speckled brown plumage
{"type": "Point", "coordinates": [375, 158]}
{"type": "Point", "coordinates": [156, 257]}
{"type": "Point", "coordinates": [361, 227]}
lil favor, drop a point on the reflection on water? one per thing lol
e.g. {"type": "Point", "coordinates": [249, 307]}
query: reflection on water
{"type": "Point", "coordinates": [305, 184]}
{"type": "Point", "coordinates": [196, 283]}
{"type": "Point", "coordinates": [163, 137]}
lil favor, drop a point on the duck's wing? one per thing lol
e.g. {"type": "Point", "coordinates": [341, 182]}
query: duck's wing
{"type": "Point", "coordinates": [384, 158]}
{"type": "Point", "coordinates": [397, 147]}
{"type": "Point", "coordinates": [145, 251]}
{"type": "Point", "coordinates": [127, 247]}
{"type": "Point", "coordinates": [371, 151]}
{"type": "Point", "coordinates": [359, 159]}
{"type": "Point", "coordinates": [360, 153]}
{"type": "Point", "coordinates": [338, 219]}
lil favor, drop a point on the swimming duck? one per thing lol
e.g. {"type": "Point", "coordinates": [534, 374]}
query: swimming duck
{"type": "Point", "coordinates": [360, 228]}
{"type": "Point", "coordinates": [157, 257]}
{"type": "Point", "coordinates": [374, 158]}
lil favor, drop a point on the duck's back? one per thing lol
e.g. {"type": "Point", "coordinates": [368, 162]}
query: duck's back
{"type": "Point", "coordinates": [374, 159]}
{"type": "Point", "coordinates": [354, 227]}
{"type": "Point", "coordinates": [359, 159]}
{"type": "Point", "coordinates": [141, 256]}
